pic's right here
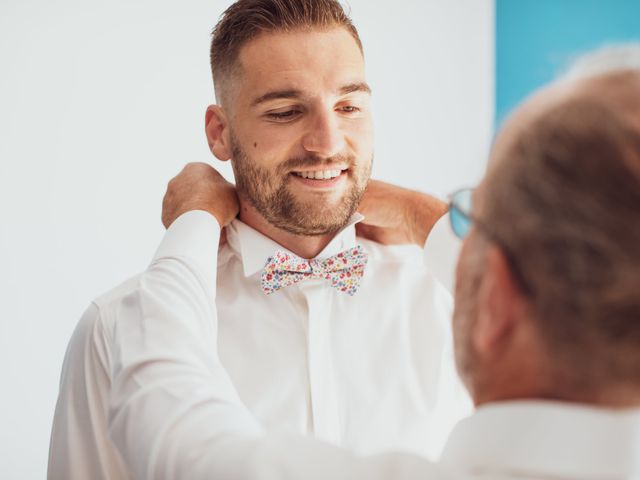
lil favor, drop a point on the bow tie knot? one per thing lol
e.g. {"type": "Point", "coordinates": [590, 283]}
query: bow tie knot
{"type": "Point", "coordinates": [344, 270]}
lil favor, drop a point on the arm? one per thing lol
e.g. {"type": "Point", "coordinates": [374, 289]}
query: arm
{"type": "Point", "coordinates": [168, 384]}
{"type": "Point", "coordinates": [396, 215]}
{"type": "Point", "coordinates": [174, 412]}
{"type": "Point", "coordinates": [164, 347]}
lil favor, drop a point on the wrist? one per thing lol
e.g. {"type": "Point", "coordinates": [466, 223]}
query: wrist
{"type": "Point", "coordinates": [422, 211]}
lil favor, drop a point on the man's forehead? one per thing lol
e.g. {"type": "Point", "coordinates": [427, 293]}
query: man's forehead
{"type": "Point", "coordinates": [280, 59]}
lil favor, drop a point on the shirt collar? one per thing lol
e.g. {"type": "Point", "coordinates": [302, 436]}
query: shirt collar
{"type": "Point", "coordinates": [254, 248]}
{"type": "Point", "coordinates": [547, 439]}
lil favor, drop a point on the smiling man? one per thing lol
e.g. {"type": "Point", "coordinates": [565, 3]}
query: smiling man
{"type": "Point", "coordinates": [321, 332]}
{"type": "Point", "coordinates": [294, 116]}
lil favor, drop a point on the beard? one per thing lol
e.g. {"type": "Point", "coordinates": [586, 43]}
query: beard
{"type": "Point", "coordinates": [269, 192]}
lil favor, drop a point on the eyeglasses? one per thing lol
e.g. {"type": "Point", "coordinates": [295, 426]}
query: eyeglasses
{"type": "Point", "coordinates": [462, 219]}
{"type": "Point", "coordinates": [460, 206]}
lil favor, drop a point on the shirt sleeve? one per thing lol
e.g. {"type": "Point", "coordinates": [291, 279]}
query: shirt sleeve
{"type": "Point", "coordinates": [441, 252]}
{"type": "Point", "coordinates": [174, 412]}
{"type": "Point", "coordinates": [171, 401]}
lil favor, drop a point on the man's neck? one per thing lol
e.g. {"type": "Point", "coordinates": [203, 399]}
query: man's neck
{"type": "Point", "coordinates": [609, 395]}
{"type": "Point", "coordinates": [304, 246]}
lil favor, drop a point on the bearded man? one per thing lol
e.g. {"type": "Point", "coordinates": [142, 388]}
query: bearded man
{"type": "Point", "coordinates": [321, 332]}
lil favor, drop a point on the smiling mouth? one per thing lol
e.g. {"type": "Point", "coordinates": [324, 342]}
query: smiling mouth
{"type": "Point", "coordinates": [320, 174]}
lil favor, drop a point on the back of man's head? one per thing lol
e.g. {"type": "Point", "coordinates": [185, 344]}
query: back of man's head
{"type": "Point", "coordinates": [244, 20]}
{"type": "Point", "coordinates": [565, 198]}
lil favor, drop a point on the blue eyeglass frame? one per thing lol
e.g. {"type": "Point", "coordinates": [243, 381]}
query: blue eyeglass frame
{"type": "Point", "coordinates": [462, 219]}
{"type": "Point", "coordinates": [460, 207]}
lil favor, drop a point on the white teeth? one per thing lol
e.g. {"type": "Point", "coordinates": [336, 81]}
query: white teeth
{"type": "Point", "coordinates": [320, 174]}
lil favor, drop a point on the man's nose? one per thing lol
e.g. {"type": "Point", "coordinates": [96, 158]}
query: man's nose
{"type": "Point", "coordinates": [324, 136]}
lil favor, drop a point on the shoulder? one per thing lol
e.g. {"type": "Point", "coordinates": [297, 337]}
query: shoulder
{"type": "Point", "coordinates": [406, 255]}
{"type": "Point", "coordinates": [401, 271]}
{"type": "Point", "coordinates": [226, 256]}
{"type": "Point", "coordinates": [406, 263]}
{"type": "Point", "coordinates": [79, 427]}
{"type": "Point", "coordinates": [438, 258]}
{"type": "Point", "coordinates": [92, 336]}
{"type": "Point", "coordinates": [105, 306]}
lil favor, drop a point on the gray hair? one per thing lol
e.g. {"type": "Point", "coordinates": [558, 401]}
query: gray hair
{"type": "Point", "coordinates": [607, 59]}
{"type": "Point", "coordinates": [566, 203]}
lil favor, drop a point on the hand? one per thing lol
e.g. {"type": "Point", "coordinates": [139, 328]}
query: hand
{"type": "Point", "coordinates": [396, 215]}
{"type": "Point", "coordinates": [200, 187]}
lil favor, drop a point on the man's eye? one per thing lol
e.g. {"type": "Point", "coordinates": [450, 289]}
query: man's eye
{"type": "Point", "coordinates": [283, 116]}
{"type": "Point", "coordinates": [349, 109]}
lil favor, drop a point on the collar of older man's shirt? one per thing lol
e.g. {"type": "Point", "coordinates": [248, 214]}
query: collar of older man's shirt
{"type": "Point", "coordinates": [545, 439]}
{"type": "Point", "coordinates": [254, 248]}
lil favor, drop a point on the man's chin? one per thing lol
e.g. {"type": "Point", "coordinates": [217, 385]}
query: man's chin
{"type": "Point", "coordinates": [319, 230]}
{"type": "Point", "coordinates": [315, 219]}
{"type": "Point", "coordinates": [308, 213]}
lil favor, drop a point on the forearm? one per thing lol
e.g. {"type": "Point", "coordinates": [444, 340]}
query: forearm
{"type": "Point", "coordinates": [172, 405]}
{"type": "Point", "coordinates": [422, 212]}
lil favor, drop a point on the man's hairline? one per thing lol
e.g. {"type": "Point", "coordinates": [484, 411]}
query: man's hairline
{"type": "Point", "coordinates": [236, 68]}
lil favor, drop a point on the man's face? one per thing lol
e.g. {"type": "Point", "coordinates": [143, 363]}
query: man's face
{"type": "Point", "coordinates": [300, 129]}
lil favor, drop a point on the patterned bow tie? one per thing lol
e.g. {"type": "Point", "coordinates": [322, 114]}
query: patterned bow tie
{"type": "Point", "coordinates": [344, 270]}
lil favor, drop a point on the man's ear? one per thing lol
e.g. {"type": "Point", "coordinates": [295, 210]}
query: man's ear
{"type": "Point", "coordinates": [500, 305]}
{"type": "Point", "coordinates": [217, 130]}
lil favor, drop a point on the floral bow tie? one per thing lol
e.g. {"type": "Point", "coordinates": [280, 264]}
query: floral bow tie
{"type": "Point", "coordinates": [344, 270]}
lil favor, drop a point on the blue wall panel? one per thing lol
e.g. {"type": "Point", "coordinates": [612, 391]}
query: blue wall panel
{"type": "Point", "coordinates": [537, 39]}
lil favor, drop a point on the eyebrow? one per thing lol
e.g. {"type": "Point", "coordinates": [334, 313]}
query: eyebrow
{"type": "Point", "coordinates": [355, 87]}
{"type": "Point", "coordinates": [293, 93]}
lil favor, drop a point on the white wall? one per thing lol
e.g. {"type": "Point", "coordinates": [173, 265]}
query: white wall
{"type": "Point", "coordinates": [101, 103]}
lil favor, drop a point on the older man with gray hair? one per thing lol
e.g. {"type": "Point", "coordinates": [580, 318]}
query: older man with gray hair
{"type": "Point", "coordinates": [547, 322]}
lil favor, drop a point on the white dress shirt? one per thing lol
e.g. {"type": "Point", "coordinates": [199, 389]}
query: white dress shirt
{"type": "Point", "coordinates": [545, 440]}
{"type": "Point", "coordinates": [174, 412]}
{"type": "Point", "coordinates": [371, 372]}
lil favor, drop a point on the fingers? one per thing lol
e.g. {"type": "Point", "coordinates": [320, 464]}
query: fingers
{"type": "Point", "coordinates": [199, 186]}
{"type": "Point", "coordinates": [400, 215]}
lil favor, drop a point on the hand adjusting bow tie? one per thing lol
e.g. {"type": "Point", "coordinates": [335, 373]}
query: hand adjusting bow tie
{"type": "Point", "coordinates": [344, 270]}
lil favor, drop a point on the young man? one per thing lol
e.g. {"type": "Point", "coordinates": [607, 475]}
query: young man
{"type": "Point", "coordinates": [321, 333]}
{"type": "Point", "coordinates": [546, 325]}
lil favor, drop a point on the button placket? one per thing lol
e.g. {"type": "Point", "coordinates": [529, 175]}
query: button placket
{"type": "Point", "coordinates": [324, 402]}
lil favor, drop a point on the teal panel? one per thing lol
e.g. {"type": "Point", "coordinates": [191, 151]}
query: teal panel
{"type": "Point", "coordinates": [537, 39]}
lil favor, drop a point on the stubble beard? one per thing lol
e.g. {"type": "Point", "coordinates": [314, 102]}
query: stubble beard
{"type": "Point", "coordinates": [269, 193]}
